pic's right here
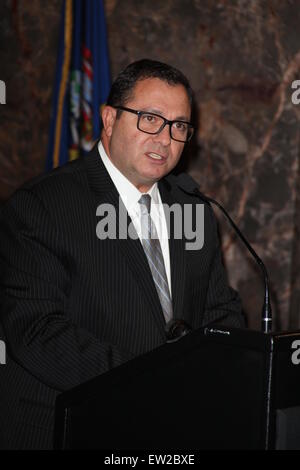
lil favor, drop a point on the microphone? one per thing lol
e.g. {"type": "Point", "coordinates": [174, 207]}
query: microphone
{"type": "Point", "coordinates": [176, 329]}
{"type": "Point", "coordinates": [188, 185]}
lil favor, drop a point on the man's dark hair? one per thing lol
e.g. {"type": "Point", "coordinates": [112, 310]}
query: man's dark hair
{"type": "Point", "coordinates": [122, 88]}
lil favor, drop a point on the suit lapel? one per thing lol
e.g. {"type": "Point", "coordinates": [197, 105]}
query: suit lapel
{"type": "Point", "coordinates": [104, 191]}
{"type": "Point", "coordinates": [177, 254]}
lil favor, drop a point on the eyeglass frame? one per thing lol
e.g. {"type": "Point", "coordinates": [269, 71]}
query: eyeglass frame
{"type": "Point", "coordinates": [166, 122]}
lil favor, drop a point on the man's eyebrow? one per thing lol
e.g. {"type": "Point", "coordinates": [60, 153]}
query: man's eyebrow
{"type": "Point", "coordinates": [157, 111]}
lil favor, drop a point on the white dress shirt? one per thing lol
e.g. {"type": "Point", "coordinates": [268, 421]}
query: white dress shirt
{"type": "Point", "coordinates": [130, 196]}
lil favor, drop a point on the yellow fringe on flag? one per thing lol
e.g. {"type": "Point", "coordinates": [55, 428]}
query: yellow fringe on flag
{"type": "Point", "coordinates": [64, 79]}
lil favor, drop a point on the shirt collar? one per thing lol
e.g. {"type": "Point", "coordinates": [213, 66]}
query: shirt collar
{"type": "Point", "coordinates": [129, 194]}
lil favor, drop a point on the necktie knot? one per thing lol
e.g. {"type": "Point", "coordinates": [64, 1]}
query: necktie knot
{"type": "Point", "coordinates": [145, 201]}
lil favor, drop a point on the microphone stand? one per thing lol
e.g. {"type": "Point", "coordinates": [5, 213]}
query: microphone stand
{"type": "Point", "coordinates": [187, 184]}
{"type": "Point", "coordinates": [266, 310]}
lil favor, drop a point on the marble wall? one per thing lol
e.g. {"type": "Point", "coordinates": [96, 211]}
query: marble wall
{"type": "Point", "coordinates": [241, 58]}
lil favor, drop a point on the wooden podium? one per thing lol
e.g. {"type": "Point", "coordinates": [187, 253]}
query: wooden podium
{"type": "Point", "coordinates": [215, 388]}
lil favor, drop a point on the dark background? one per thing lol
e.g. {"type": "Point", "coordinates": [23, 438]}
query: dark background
{"type": "Point", "coordinates": [241, 57]}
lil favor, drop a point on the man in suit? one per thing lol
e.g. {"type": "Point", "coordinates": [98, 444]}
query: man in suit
{"type": "Point", "coordinates": [75, 301]}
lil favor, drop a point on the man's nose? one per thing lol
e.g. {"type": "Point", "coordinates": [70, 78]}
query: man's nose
{"type": "Point", "coordinates": [164, 136]}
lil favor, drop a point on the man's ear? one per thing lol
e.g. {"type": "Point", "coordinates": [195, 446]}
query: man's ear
{"type": "Point", "coordinates": [108, 116]}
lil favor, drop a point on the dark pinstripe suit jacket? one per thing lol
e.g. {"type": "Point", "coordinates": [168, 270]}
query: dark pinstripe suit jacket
{"type": "Point", "coordinates": [74, 306]}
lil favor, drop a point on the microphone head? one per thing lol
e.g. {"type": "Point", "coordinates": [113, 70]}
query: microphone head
{"type": "Point", "coordinates": [176, 329]}
{"type": "Point", "coordinates": [188, 184]}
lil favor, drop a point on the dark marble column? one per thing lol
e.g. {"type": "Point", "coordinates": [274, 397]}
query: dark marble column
{"type": "Point", "coordinates": [28, 47]}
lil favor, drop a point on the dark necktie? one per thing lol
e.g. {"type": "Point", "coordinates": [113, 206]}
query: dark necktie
{"type": "Point", "coordinates": [155, 258]}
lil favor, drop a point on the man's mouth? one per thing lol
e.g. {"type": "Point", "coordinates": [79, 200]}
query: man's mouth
{"type": "Point", "coordinates": [156, 156]}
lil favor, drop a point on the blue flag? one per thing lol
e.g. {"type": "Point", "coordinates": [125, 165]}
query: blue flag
{"type": "Point", "coordinates": [82, 81]}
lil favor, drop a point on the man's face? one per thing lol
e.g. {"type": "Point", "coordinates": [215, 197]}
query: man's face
{"type": "Point", "coordinates": [145, 158]}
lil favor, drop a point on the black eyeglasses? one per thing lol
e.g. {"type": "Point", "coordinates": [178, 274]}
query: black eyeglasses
{"type": "Point", "coordinates": [150, 123]}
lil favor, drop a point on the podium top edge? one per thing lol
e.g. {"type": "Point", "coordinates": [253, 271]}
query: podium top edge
{"type": "Point", "coordinates": [216, 335]}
